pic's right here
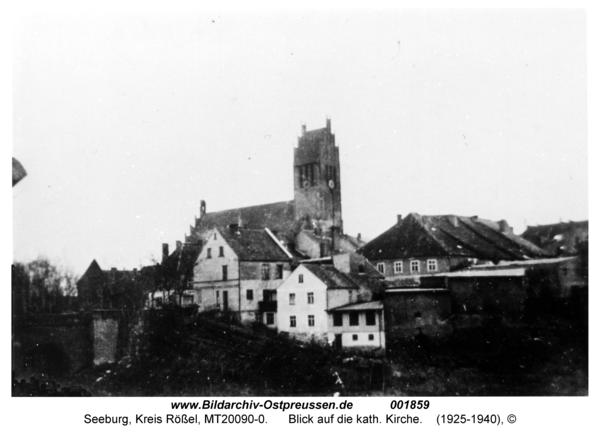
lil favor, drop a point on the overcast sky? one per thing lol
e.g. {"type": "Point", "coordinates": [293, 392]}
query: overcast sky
{"type": "Point", "coordinates": [125, 122]}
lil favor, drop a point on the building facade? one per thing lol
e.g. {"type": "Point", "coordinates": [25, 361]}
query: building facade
{"type": "Point", "coordinates": [357, 326]}
{"type": "Point", "coordinates": [427, 245]}
{"type": "Point", "coordinates": [315, 209]}
{"type": "Point", "coordinates": [238, 272]}
{"type": "Point", "coordinates": [304, 298]}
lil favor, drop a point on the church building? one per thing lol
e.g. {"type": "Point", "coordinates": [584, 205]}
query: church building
{"type": "Point", "coordinates": [310, 225]}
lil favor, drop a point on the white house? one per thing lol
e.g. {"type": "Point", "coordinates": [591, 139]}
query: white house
{"type": "Point", "coordinates": [238, 271]}
{"type": "Point", "coordinates": [304, 298]}
{"type": "Point", "coordinates": [358, 326]}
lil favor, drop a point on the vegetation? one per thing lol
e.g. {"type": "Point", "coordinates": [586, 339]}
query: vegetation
{"type": "Point", "coordinates": [201, 356]}
{"type": "Point", "coordinates": [40, 287]}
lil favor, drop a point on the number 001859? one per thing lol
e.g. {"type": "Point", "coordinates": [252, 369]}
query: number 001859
{"type": "Point", "coordinates": [409, 404]}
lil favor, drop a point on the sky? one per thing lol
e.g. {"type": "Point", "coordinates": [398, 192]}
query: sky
{"type": "Point", "coordinates": [124, 122]}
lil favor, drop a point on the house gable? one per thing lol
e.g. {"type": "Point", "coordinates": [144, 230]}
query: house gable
{"type": "Point", "coordinates": [216, 254]}
{"type": "Point", "coordinates": [294, 305]}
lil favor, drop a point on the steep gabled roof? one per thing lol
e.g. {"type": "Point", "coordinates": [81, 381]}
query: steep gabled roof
{"type": "Point", "coordinates": [93, 269]}
{"type": "Point", "coordinates": [182, 260]}
{"type": "Point", "coordinates": [560, 238]}
{"type": "Point", "coordinates": [253, 245]}
{"type": "Point", "coordinates": [449, 235]}
{"type": "Point", "coordinates": [95, 272]}
{"type": "Point", "coordinates": [331, 277]}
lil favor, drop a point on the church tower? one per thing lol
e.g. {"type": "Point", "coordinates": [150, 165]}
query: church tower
{"type": "Point", "coordinates": [317, 187]}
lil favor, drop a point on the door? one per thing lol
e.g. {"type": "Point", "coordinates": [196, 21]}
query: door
{"type": "Point", "coordinates": [225, 300]}
{"type": "Point", "coordinates": [337, 344]}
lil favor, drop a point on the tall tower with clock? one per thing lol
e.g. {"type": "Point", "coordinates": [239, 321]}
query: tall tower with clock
{"type": "Point", "coordinates": [317, 187]}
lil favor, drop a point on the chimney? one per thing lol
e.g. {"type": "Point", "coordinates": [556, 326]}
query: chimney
{"type": "Point", "coordinates": [328, 124]}
{"type": "Point", "coordinates": [113, 269]}
{"type": "Point", "coordinates": [178, 245]}
{"type": "Point", "coordinates": [359, 237]}
{"type": "Point", "coordinates": [399, 219]}
{"type": "Point", "coordinates": [165, 250]}
{"type": "Point", "coordinates": [453, 220]}
{"type": "Point", "coordinates": [303, 129]}
{"type": "Point", "coordinates": [504, 227]}
{"type": "Point", "coordinates": [240, 223]}
{"type": "Point", "coordinates": [202, 208]}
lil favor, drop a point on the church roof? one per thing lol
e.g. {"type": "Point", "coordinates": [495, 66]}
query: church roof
{"type": "Point", "coordinates": [276, 216]}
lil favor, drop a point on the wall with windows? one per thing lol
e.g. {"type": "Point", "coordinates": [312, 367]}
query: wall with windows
{"type": "Point", "coordinates": [312, 245]}
{"type": "Point", "coordinates": [359, 329]}
{"type": "Point", "coordinates": [309, 298]}
{"type": "Point", "coordinates": [216, 255]}
{"type": "Point", "coordinates": [417, 266]}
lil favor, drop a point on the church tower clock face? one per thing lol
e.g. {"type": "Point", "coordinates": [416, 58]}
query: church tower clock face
{"type": "Point", "coordinates": [317, 192]}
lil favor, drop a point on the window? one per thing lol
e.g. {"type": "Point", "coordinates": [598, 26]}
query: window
{"type": "Point", "coordinates": [397, 267]}
{"type": "Point", "coordinates": [249, 295]}
{"type": "Point", "coordinates": [221, 252]}
{"type": "Point", "coordinates": [218, 301]}
{"type": "Point", "coordinates": [311, 320]}
{"type": "Point", "coordinates": [208, 253]}
{"type": "Point", "coordinates": [224, 272]}
{"type": "Point", "coordinates": [215, 236]}
{"type": "Point", "coordinates": [381, 267]}
{"type": "Point", "coordinates": [338, 319]}
{"type": "Point", "coordinates": [354, 318]}
{"type": "Point", "coordinates": [279, 272]}
{"type": "Point", "coordinates": [311, 298]}
{"type": "Point", "coordinates": [292, 321]}
{"type": "Point", "coordinates": [371, 337]}
{"type": "Point", "coordinates": [350, 296]}
{"type": "Point", "coordinates": [354, 337]}
{"type": "Point", "coordinates": [292, 299]}
{"type": "Point", "coordinates": [432, 265]}
{"type": "Point", "coordinates": [414, 266]}
{"type": "Point", "coordinates": [300, 278]}
{"type": "Point", "coordinates": [265, 271]}
{"type": "Point", "coordinates": [270, 318]}
{"type": "Point", "coordinates": [361, 269]}
{"type": "Point", "coordinates": [370, 318]}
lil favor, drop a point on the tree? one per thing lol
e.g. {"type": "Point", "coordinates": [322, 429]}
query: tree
{"type": "Point", "coordinates": [41, 287]}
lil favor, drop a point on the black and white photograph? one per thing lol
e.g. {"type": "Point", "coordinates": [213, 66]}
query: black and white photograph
{"type": "Point", "coordinates": [300, 202]}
